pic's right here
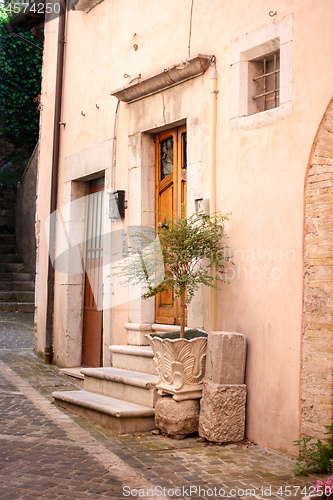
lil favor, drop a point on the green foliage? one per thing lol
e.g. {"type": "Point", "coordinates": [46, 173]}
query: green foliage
{"type": "Point", "coordinates": [314, 455]}
{"type": "Point", "coordinates": [186, 254]}
{"type": "Point", "coordinates": [329, 435]}
{"type": "Point", "coordinates": [191, 248]}
{"type": "Point", "coordinates": [4, 16]}
{"type": "Point", "coordinates": [20, 82]}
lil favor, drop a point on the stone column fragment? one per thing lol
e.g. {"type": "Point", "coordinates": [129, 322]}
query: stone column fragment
{"type": "Point", "coordinates": [177, 419]}
{"type": "Point", "coordinates": [226, 355]}
{"type": "Point", "coordinates": [222, 412]}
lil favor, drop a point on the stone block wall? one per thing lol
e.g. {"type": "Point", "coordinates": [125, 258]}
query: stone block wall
{"type": "Point", "coordinates": [317, 342]}
{"type": "Point", "coordinates": [26, 213]}
{"type": "Point", "coordinates": [7, 149]}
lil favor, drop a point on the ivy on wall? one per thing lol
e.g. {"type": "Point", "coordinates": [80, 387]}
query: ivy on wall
{"type": "Point", "coordinates": [20, 83]}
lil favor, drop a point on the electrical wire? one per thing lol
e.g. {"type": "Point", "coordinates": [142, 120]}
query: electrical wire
{"type": "Point", "coordinates": [190, 33]}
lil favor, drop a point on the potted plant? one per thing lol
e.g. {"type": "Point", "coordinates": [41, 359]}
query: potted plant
{"type": "Point", "coordinates": [182, 255]}
{"type": "Point", "coordinates": [325, 488]}
{"type": "Point", "coordinates": [315, 457]}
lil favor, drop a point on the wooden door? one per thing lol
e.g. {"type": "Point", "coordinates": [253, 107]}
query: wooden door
{"type": "Point", "coordinates": [93, 295]}
{"type": "Point", "coordinates": [170, 176]}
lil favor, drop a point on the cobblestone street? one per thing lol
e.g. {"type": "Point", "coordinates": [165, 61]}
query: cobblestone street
{"type": "Point", "coordinates": [48, 453]}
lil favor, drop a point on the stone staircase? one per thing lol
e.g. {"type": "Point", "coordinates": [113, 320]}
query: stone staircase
{"type": "Point", "coordinates": [17, 288]}
{"type": "Point", "coordinates": [121, 398]}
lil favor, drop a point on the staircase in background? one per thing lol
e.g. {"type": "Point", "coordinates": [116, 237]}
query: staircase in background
{"type": "Point", "coordinates": [17, 288]}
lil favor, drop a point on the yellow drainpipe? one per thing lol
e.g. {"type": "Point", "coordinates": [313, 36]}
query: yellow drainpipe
{"type": "Point", "coordinates": [212, 180]}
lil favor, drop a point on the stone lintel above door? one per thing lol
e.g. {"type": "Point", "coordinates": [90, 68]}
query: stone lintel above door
{"type": "Point", "coordinates": [168, 77]}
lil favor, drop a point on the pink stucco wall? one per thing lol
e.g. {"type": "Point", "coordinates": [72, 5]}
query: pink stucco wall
{"type": "Point", "coordinates": [260, 171]}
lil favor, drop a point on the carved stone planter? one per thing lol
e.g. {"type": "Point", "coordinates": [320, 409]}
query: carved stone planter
{"type": "Point", "coordinates": [180, 365]}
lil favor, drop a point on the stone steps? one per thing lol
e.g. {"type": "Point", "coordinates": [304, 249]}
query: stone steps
{"type": "Point", "coordinates": [137, 358]}
{"type": "Point", "coordinates": [74, 372]}
{"type": "Point", "coordinates": [17, 296]}
{"type": "Point", "coordinates": [15, 276]}
{"type": "Point", "coordinates": [7, 248]}
{"type": "Point", "coordinates": [12, 267]}
{"type": "Point", "coordinates": [9, 258]}
{"type": "Point", "coordinates": [118, 398]}
{"type": "Point", "coordinates": [21, 307]}
{"type": "Point", "coordinates": [16, 285]}
{"type": "Point", "coordinates": [127, 385]}
{"type": "Point", "coordinates": [7, 239]}
{"type": "Point", "coordinates": [122, 417]}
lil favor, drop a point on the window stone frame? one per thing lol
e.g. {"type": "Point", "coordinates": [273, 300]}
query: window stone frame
{"type": "Point", "coordinates": [256, 44]}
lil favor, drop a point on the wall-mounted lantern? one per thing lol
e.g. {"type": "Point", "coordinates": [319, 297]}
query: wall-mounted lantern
{"type": "Point", "coordinates": [201, 205]}
{"type": "Point", "coordinates": [117, 204]}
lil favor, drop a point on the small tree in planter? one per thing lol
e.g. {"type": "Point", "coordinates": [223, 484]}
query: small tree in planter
{"type": "Point", "coordinates": [191, 249]}
{"type": "Point", "coordinates": [185, 254]}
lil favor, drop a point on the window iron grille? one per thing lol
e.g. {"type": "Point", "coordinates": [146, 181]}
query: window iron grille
{"type": "Point", "coordinates": [269, 83]}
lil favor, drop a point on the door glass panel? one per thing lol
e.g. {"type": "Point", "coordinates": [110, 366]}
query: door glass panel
{"type": "Point", "coordinates": [99, 219]}
{"type": "Point", "coordinates": [166, 166]}
{"type": "Point", "coordinates": [93, 209]}
{"type": "Point", "coordinates": [89, 229]}
{"type": "Point", "coordinates": [184, 154]}
{"type": "Point", "coordinates": [94, 246]}
{"type": "Point", "coordinates": [93, 297]}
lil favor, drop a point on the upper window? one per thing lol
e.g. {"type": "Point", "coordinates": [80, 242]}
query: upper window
{"type": "Point", "coordinates": [261, 75]}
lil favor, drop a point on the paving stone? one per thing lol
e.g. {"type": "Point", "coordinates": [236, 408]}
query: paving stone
{"type": "Point", "coordinates": [47, 453]}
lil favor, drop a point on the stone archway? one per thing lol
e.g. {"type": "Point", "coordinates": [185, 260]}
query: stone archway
{"type": "Point", "coordinates": [317, 339]}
